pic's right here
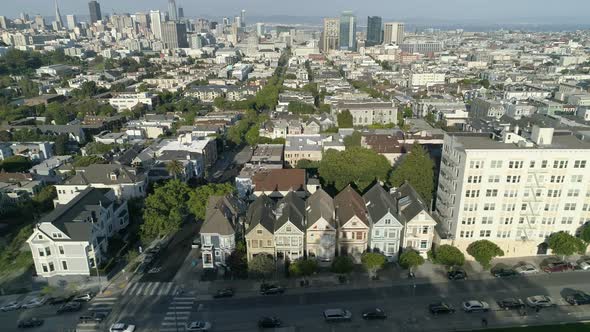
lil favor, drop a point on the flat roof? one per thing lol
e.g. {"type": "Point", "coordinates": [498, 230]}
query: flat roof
{"type": "Point", "coordinates": [485, 142]}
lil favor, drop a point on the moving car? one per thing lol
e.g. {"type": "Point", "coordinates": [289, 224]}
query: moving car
{"type": "Point", "coordinates": [29, 323]}
{"type": "Point", "coordinates": [539, 301]}
{"type": "Point", "coordinates": [69, 307]}
{"type": "Point", "coordinates": [526, 269]}
{"type": "Point", "coordinates": [34, 303]}
{"type": "Point", "coordinates": [458, 274]}
{"type": "Point", "coordinates": [271, 289]}
{"type": "Point", "coordinates": [196, 244]}
{"type": "Point", "coordinates": [86, 297]}
{"type": "Point", "coordinates": [441, 308]}
{"type": "Point", "coordinates": [585, 265]}
{"type": "Point", "coordinates": [198, 326]}
{"type": "Point", "coordinates": [122, 327]}
{"type": "Point", "coordinates": [559, 266]}
{"type": "Point", "coordinates": [510, 303]}
{"type": "Point", "coordinates": [227, 292]}
{"type": "Point", "coordinates": [505, 273]}
{"type": "Point", "coordinates": [475, 305]}
{"type": "Point", "coordinates": [92, 317]}
{"type": "Point", "coordinates": [269, 322]}
{"type": "Point", "coordinates": [578, 298]}
{"type": "Point", "coordinates": [336, 315]}
{"type": "Point", "coordinates": [59, 300]}
{"type": "Point", "coordinates": [374, 313]}
{"type": "Point", "coordinates": [10, 306]}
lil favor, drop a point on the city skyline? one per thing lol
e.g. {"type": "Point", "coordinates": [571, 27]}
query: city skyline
{"type": "Point", "coordinates": [520, 12]}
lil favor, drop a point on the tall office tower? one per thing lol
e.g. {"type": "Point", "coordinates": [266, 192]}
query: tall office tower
{"type": "Point", "coordinates": [226, 21]}
{"type": "Point", "coordinates": [180, 13]}
{"type": "Point", "coordinates": [40, 22]}
{"type": "Point", "coordinates": [348, 31]}
{"type": "Point", "coordinates": [94, 8]}
{"type": "Point", "coordinates": [172, 13]}
{"type": "Point", "coordinates": [156, 23]}
{"type": "Point", "coordinates": [393, 33]}
{"type": "Point", "coordinates": [374, 31]}
{"type": "Point", "coordinates": [142, 20]}
{"type": "Point", "coordinates": [24, 17]}
{"type": "Point", "coordinates": [331, 34]}
{"type": "Point", "coordinates": [238, 21]}
{"type": "Point", "coordinates": [174, 35]}
{"type": "Point", "coordinates": [260, 29]}
{"type": "Point", "coordinates": [71, 21]}
{"type": "Point", "coordinates": [3, 22]}
{"type": "Point", "coordinates": [515, 188]}
{"type": "Point", "coordinates": [243, 18]}
{"type": "Point", "coordinates": [60, 23]}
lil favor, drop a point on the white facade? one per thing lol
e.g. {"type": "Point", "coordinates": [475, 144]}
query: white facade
{"type": "Point", "coordinates": [393, 33]}
{"type": "Point", "coordinates": [426, 79]}
{"type": "Point", "coordinates": [386, 235]}
{"type": "Point", "coordinates": [289, 242]}
{"type": "Point", "coordinates": [126, 101]}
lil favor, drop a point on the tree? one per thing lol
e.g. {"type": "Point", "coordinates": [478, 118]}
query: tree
{"type": "Point", "coordinates": [199, 198]}
{"type": "Point", "coordinates": [485, 83]}
{"type": "Point", "coordinates": [418, 169]}
{"type": "Point", "coordinates": [297, 107]}
{"type": "Point", "coordinates": [43, 200]}
{"type": "Point", "coordinates": [373, 262]}
{"type": "Point", "coordinates": [353, 140]}
{"type": "Point", "coordinates": [484, 251]}
{"type": "Point", "coordinates": [175, 168]}
{"type": "Point", "coordinates": [60, 146]}
{"type": "Point", "coordinates": [342, 265]}
{"type": "Point", "coordinates": [354, 165]}
{"type": "Point", "coordinates": [252, 135]}
{"type": "Point", "coordinates": [306, 164]}
{"type": "Point", "coordinates": [303, 267]}
{"type": "Point", "coordinates": [410, 259]}
{"type": "Point", "coordinates": [238, 261]}
{"type": "Point", "coordinates": [86, 161]}
{"type": "Point", "coordinates": [219, 102]}
{"type": "Point", "coordinates": [585, 233]}
{"type": "Point", "coordinates": [261, 266]}
{"type": "Point", "coordinates": [448, 255]}
{"type": "Point", "coordinates": [345, 119]}
{"type": "Point", "coordinates": [15, 164]}
{"type": "Point", "coordinates": [290, 76]}
{"type": "Point", "coordinates": [28, 88]}
{"type": "Point", "coordinates": [165, 210]}
{"type": "Point", "coordinates": [564, 244]}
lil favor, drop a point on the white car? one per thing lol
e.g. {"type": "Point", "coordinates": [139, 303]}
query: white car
{"type": "Point", "coordinates": [526, 269]}
{"type": "Point", "coordinates": [475, 305]}
{"type": "Point", "coordinates": [122, 327]}
{"type": "Point", "coordinates": [34, 303]}
{"type": "Point", "coordinates": [585, 265]}
{"type": "Point", "coordinates": [86, 297]}
{"type": "Point", "coordinates": [539, 301]}
{"type": "Point", "coordinates": [10, 306]}
{"type": "Point", "coordinates": [198, 326]}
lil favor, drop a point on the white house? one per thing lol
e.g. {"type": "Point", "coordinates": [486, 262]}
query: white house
{"type": "Point", "coordinates": [321, 226]}
{"type": "Point", "coordinates": [218, 233]}
{"type": "Point", "coordinates": [386, 229]}
{"type": "Point", "coordinates": [289, 231]}
{"type": "Point", "coordinates": [413, 214]}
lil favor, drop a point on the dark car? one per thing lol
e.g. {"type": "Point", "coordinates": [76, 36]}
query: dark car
{"type": "Point", "coordinates": [559, 266]}
{"type": "Point", "coordinates": [375, 313]}
{"type": "Point", "coordinates": [578, 298]}
{"type": "Point", "coordinates": [511, 303]}
{"type": "Point", "coordinates": [60, 299]}
{"type": "Point", "coordinates": [505, 273]}
{"type": "Point", "coordinates": [458, 274]}
{"type": "Point", "coordinates": [69, 307]}
{"type": "Point", "coordinates": [441, 308]}
{"type": "Point", "coordinates": [227, 292]}
{"type": "Point", "coordinates": [271, 290]}
{"type": "Point", "coordinates": [92, 317]}
{"type": "Point", "coordinates": [269, 322]}
{"type": "Point", "coordinates": [29, 323]}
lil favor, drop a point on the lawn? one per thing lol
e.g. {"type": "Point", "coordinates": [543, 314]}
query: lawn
{"type": "Point", "coordinates": [547, 328]}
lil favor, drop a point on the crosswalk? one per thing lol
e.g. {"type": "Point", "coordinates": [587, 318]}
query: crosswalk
{"type": "Point", "coordinates": [99, 305]}
{"type": "Point", "coordinates": [151, 289]}
{"type": "Point", "coordinates": [178, 314]}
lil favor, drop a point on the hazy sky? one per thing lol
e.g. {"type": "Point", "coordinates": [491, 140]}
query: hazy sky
{"type": "Point", "coordinates": [459, 10]}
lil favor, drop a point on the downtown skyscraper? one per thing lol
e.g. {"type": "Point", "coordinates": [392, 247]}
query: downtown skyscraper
{"type": "Point", "coordinates": [374, 31]}
{"type": "Point", "coordinates": [331, 34]}
{"type": "Point", "coordinates": [94, 8]}
{"type": "Point", "coordinates": [348, 31]}
{"type": "Point", "coordinates": [172, 12]}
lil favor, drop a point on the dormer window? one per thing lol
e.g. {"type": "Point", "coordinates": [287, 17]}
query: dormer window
{"type": "Point", "coordinates": [56, 235]}
{"type": "Point", "coordinates": [113, 176]}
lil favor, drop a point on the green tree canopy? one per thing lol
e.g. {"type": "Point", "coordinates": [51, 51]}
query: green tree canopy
{"type": "Point", "coordinates": [448, 255]}
{"type": "Point", "coordinates": [60, 146]}
{"type": "Point", "coordinates": [484, 251]}
{"type": "Point", "coordinates": [175, 168]}
{"type": "Point", "coordinates": [86, 161]}
{"type": "Point", "coordinates": [261, 266]}
{"type": "Point", "coordinates": [306, 164]}
{"type": "Point", "coordinates": [342, 265]}
{"type": "Point", "coordinates": [15, 164]}
{"type": "Point", "coordinates": [200, 197]}
{"type": "Point", "coordinates": [297, 107]}
{"type": "Point", "coordinates": [303, 267]}
{"type": "Point", "coordinates": [373, 262]}
{"type": "Point", "coordinates": [585, 233]}
{"type": "Point", "coordinates": [43, 200]}
{"type": "Point", "coordinates": [238, 261]}
{"type": "Point", "coordinates": [353, 140]}
{"type": "Point", "coordinates": [410, 259]}
{"type": "Point", "coordinates": [355, 165]}
{"type": "Point", "coordinates": [418, 169]}
{"type": "Point", "coordinates": [564, 244]}
{"type": "Point", "coordinates": [345, 119]}
{"type": "Point", "coordinates": [165, 210]}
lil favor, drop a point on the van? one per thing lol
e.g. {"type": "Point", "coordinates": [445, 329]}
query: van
{"type": "Point", "coordinates": [334, 315]}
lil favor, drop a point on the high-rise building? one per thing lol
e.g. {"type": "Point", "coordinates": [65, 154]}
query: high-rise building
{"type": "Point", "coordinates": [348, 31]}
{"type": "Point", "coordinates": [94, 8]}
{"type": "Point", "coordinates": [71, 21]}
{"type": "Point", "coordinates": [180, 13]}
{"type": "Point", "coordinates": [174, 35]}
{"type": "Point", "coordinates": [374, 31]}
{"type": "Point", "coordinates": [515, 187]}
{"type": "Point", "coordinates": [58, 20]}
{"type": "Point", "coordinates": [331, 34]}
{"type": "Point", "coordinates": [393, 33]}
{"type": "Point", "coordinates": [260, 29]}
{"type": "Point", "coordinates": [156, 23]}
{"type": "Point", "coordinates": [238, 21]}
{"type": "Point", "coordinates": [3, 22]}
{"type": "Point", "coordinates": [172, 13]}
{"type": "Point", "coordinates": [39, 22]}
{"type": "Point", "coordinates": [24, 17]}
{"type": "Point", "coordinates": [243, 18]}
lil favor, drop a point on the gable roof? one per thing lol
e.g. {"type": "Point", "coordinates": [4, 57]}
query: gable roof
{"type": "Point", "coordinates": [320, 205]}
{"type": "Point", "coordinates": [270, 180]}
{"type": "Point", "coordinates": [101, 173]}
{"type": "Point", "coordinates": [290, 208]}
{"type": "Point", "coordinates": [409, 203]}
{"type": "Point", "coordinates": [379, 202]}
{"type": "Point", "coordinates": [348, 203]}
{"type": "Point", "coordinates": [219, 217]}
{"type": "Point", "coordinates": [261, 212]}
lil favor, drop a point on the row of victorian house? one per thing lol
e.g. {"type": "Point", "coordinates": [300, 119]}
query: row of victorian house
{"type": "Point", "coordinates": [319, 227]}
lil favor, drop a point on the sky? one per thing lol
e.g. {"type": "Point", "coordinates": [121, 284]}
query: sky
{"type": "Point", "coordinates": [444, 10]}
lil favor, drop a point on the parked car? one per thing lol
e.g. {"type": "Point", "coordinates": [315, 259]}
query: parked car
{"type": "Point", "coordinates": [69, 307]}
{"type": "Point", "coordinates": [585, 265]}
{"type": "Point", "coordinates": [559, 266]}
{"type": "Point", "coordinates": [92, 317]}
{"type": "Point", "coordinates": [458, 274]}
{"type": "Point", "coordinates": [441, 308]}
{"type": "Point", "coordinates": [59, 300]}
{"type": "Point", "coordinates": [122, 327]}
{"type": "Point", "coordinates": [10, 306]}
{"type": "Point", "coordinates": [539, 301]}
{"type": "Point", "coordinates": [374, 313]}
{"type": "Point", "coordinates": [505, 273]}
{"type": "Point", "coordinates": [271, 289]}
{"type": "Point", "coordinates": [29, 323]}
{"type": "Point", "coordinates": [34, 303]}
{"type": "Point", "coordinates": [227, 292]}
{"type": "Point", "coordinates": [198, 326]}
{"type": "Point", "coordinates": [511, 303]}
{"type": "Point", "coordinates": [196, 244]}
{"type": "Point", "coordinates": [578, 298]}
{"type": "Point", "coordinates": [526, 269]}
{"type": "Point", "coordinates": [86, 297]}
{"type": "Point", "coordinates": [335, 315]}
{"type": "Point", "coordinates": [269, 322]}
{"type": "Point", "coordinates": [475, 306]}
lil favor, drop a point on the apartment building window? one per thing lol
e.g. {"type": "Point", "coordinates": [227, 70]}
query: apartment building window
{"type": "Point", "coordinates": [580, 164]}
{"type": "Point", "coordinates": [567, 220]}
{"type": "Point", "coordinates": [492, 193]}
{"type": "Point", "coordinates": [494, 178]}
{"type": "Point", "coordinates": [64, 264]}
{"type": "Point", "coordinates": [468, 221]}
{"type": "Point", "coordinates": [560, 164]}
{"type": "Point", "coordinates": [47, 251]}
{"type": "Point", "coordinates": [515, 164]}
{"type": "Point", "coordinates": [577, 178]}
{"type": "Point", "coordinates": [510, 193]}
{"type": "Point", "coordinates": [544, 164]}
{"type": "Point", "coordinates": [476, 164]}
{"type": "Point", "coordinates": [487, 220]}
{"type": "Point", "coordinates": [44, 266]}
{"type": "Point", "coordinates": [489, 207]}
{"type": "Point", "coordinates": [472, 193]}
{"type": "Point", "coordinates": [51, 267]}
{"type": "Point", "coordinates": [486, 233]}
{"type": "Point", "coordinates": [532, 164]}
{"type": "Point", "coordinates": [513, 179]}
{"type": "Point", "coordinates": [496, 164]}
{"type": "Point", "coordinates": [61, 250]}
{"type": "Point", "coordinates": [573, 193]}
{"type": "Point", "coordinates": [470, 207]}
{"type": "Point", "coordinates": [474, 179]}
{"type": "Point", "coordinates": [41, 252]}
{"type": "Point", "coordinates": [548, 221]}
{"type": "Point", "coordinates": [466, 234]}
{"type": "Point", "coordinates": [556, 179]}
{"type": "Point", "coordinates": [508, 220]}
{"type": "Point", "coordinates": [508, 207]}
{"type": "Point", "coordinates": [503, 234]}
{"type": "Point", "coordinates": [425, 229]}
{"type": "Point", "coordinates": [553, 193]}
{"type": "Point", "coordinates": [423, 244]}
{"type": "Point", "coordinates": [523, 207]}
{"type": "Point", "coordinates": [569, 207]}
{"type": "Point", "coordinates": [585, 207]}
